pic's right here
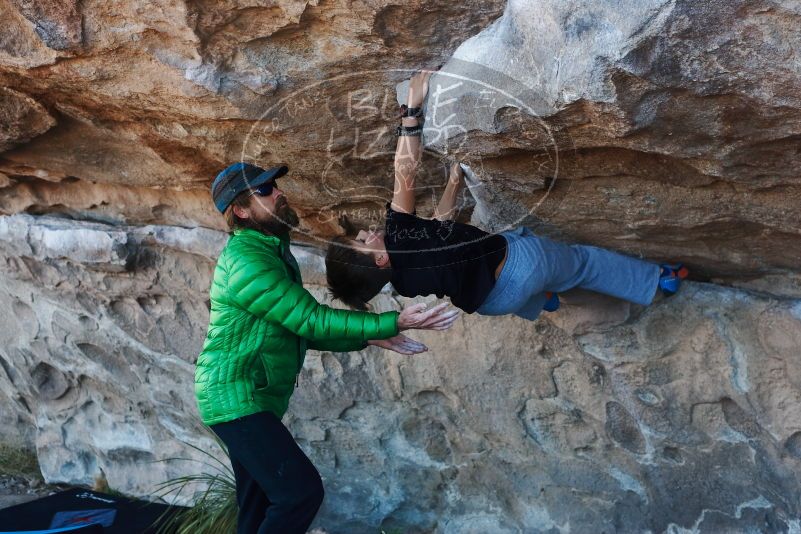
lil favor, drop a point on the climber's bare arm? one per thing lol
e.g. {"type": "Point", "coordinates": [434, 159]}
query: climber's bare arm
{"type": "Point", "coordinates": [407, 159]}
{"type": "Point", "coordinates": [446, 209]}
{"type": "Point", "coordinates": [409, 148]}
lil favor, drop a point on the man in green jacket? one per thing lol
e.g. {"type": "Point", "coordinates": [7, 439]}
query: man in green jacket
{"type": "Point", "coordinates": [262, 321]}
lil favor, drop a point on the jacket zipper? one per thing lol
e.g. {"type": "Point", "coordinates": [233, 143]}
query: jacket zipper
{"type": "Point", "coordinates": [297, 373]}
{"type": "Point", "coordinates": [294, 278]}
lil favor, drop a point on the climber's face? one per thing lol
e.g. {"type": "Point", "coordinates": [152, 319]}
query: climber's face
{"type": "Point", "coordinates": [372, 242]}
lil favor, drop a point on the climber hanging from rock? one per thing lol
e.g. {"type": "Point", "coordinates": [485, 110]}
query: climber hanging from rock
{"type": "Point", "coordinates": [514, 272]}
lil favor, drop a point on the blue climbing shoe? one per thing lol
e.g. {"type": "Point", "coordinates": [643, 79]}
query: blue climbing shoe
{"type": "Point", "coordinates": [671, 276]}
{"type": "Point", "coordinates": [552, 304]}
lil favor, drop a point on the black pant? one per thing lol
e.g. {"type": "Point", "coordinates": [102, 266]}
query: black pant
{"type": "Point", "coordinates": [278, 489]}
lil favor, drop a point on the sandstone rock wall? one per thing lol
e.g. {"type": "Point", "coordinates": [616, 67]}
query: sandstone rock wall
{"type": "Point", "coordinates": [663, 128]}
{"type": "Point", "coordinates": [666, 129]}
{"type": "Point", "coordinates": [603, 416]}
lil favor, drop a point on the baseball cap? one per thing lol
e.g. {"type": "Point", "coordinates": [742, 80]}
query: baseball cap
{"type": "Point", "coordinates": [240, 177]}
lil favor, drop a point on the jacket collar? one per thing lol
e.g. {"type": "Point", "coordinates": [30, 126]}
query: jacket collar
{"type": "Point", "coordinates": [273, 241]}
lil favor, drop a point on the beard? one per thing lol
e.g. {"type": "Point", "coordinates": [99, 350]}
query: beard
{"type": "Point", "coordinates": [282, 221]}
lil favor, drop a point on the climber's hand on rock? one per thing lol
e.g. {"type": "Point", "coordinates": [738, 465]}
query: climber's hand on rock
{"type": "Point", "coordinates": [400, 344]}
{"type": "Point", "coordinates": [418, 87]}
{"type": "Point", "coordinates": [417, 317]}
{"type": "Point", "coordinates": [456, 177]}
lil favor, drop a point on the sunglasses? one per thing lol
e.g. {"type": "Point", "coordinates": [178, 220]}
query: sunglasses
{"type": "Point", "coordinates": [264, 190]}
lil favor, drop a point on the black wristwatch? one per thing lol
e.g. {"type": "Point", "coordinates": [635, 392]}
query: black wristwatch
{"type": "Point", "coordinates": [406, 111]}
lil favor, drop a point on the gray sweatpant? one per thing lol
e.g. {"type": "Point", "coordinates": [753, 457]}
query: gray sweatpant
{"type": "Point", "coordinates": [535, 265]}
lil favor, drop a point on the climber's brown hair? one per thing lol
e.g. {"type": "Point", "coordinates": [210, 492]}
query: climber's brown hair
{"type": "Point", "coordinates": [243, 201]}
{"type": "Point", "coordinates": [353, 277]}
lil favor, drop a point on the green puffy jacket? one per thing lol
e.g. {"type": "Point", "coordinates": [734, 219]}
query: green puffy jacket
{"type": "Point", "coordinates": [261, 323]}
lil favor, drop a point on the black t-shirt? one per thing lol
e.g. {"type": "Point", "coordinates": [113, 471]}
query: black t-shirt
{"type": "Point", "coordinates": [442, 258]}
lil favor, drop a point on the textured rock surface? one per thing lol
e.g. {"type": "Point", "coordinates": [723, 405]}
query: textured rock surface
{"type": "Point", "coordinates": [668, 129]}
{"type": "Point", "coordinates": [665, 127]}
{"type": "Point", "coordinates": [98, 350]}
{"type": "Point", "coordinates": [662, 128]}
{"type": "Point", "coordinates": [603, 416]}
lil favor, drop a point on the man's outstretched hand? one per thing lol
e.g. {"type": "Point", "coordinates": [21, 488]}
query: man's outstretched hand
{"type": "Point", "coordinates": [417, 317]}
{"type": "Point", "coordinates": [400, 344]}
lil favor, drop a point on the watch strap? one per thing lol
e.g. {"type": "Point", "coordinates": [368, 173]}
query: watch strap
{"type": "Point", "coordinates": [409, 130]}
{"type": "Point", "coordinates": [406, 111]}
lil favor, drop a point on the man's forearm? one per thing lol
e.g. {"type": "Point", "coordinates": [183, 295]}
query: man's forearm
{"type": "Point", "coordinates": [407, 159]}
{"type": "Point", "coordinates": [446, 209]}
{"type": "Point", "coordinates": [409, 149]}
{"type": "Point", "coordinates": [337, 345]}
